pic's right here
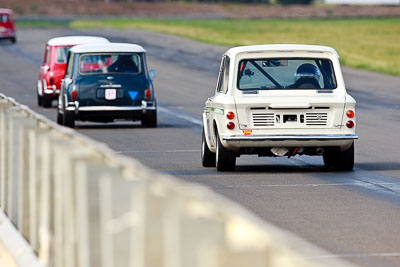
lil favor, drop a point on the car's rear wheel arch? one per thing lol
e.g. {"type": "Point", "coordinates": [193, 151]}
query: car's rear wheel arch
{"type": "Point", "coordinates": [207, 156]}
{"type": "Point", "coordinates": [225, 159]}
{"type": "Point", "coordinates": [215, 132]}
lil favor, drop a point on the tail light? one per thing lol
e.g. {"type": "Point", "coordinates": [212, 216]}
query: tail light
{"type": "Point", "coordinates": [350, 124]}
{"type": "Point", "coordinates": [230, 125]}
{"type": "Point", "coordinates": [147, 94]}
{"type": "Point", "coordinates": [74, 94]}
{"type": "Point", "coordinates": [350, 114]}
{"type": "Point", "coordinates": [230, 115]}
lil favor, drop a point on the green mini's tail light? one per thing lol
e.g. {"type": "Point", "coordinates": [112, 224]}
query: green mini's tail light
{"type": "Point", "coordinates": [147, 94]}
{"type": "Point", "coordinates": [74, 95]}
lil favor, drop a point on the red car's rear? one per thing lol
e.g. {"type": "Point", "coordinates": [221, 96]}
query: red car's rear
{"type": "Point", "coordinates": [54, 63]}
{"type": "Point", "coordinates": [7, 28]}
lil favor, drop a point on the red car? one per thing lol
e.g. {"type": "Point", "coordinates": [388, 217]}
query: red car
{"type": "Point", "coordinates": [7, 28]}
{"type": "Point", "coordinates": [54, 64]}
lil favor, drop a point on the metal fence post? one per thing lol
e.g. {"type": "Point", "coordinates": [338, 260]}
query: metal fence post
{"type": "Point", "coordinates": [88, 177]}
{"type": "Point", "coordinates": [106, 240]}
{"type": "Point", "coordinates": [23, 174]}
{"type": "Point", "coordinates": [62, 202]}
{"type": "Point", "coordinates": [3, 152]}
{"type": "Point", "coordinates": [45, 202]}
{"type": "Point", "coordinates": [72, 205]}
{"type": "Point", "coordinates": [34, 184]}
{"type": "Point", "coordinates": [122, 215]}
{"type": "Point", "coordinates": [14, 118]}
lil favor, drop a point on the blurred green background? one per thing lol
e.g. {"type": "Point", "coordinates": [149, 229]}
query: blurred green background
{"type": "Point", "coordinates": [366, 43]}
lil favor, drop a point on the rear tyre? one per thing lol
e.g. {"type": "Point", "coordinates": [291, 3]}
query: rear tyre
{"type": "Point", "coordinates": [68, 119]}
{"type": "Point", "coordinates": [46, 101]}
{"type": "Point", "coordinates": [13, 40]}
{"type": "Point", "coordinates": [339, 160]}
{"type": "Point", "coordinates": [207, 157]}
{"type": "Point", "coordinates": [39, 100]}
{"type": "Point", "coordinates": [60, 118]}
{"type": "Point", "coordinates": [225, 159]}
{"type": "Point", "coordinates": [150, 120]}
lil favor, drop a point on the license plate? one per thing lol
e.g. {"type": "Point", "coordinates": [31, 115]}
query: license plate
{"type": "Point", "coordinates": [111, 94]}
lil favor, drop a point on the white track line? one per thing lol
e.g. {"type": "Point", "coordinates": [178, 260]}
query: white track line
{"type": "Point", "coordinates": [292, 185]}
{"type": "Point", "coordinates": [180, 151]}
{"type": "Point", "coordinates": [182, 116]}
{"type": "Point", "coordinates": [158, 151]}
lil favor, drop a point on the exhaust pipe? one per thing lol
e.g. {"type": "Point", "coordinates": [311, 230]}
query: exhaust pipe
{"type": "Point", "coordinates": [320, 151]}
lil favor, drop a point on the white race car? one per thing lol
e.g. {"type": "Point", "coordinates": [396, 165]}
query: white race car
{"type": "Point", "coordinates": [279, 100]}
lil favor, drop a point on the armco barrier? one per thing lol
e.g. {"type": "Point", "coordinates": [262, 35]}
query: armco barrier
{"type": "Point", "coordinates": [78, 203]}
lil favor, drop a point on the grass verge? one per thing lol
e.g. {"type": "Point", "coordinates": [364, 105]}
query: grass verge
{"type": "Point", "coordinates": [41, 24]}
{"type": "Point", "coordinates": [363, 43]}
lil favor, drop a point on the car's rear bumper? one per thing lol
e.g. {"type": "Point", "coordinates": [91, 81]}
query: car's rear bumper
{"type": "Point", "coordinates": [268, 141]}
{"type": "Point", "coordinates": [5, 35]}
{"type": "Point", "coordinates": [109, 108]}
{"type": "Point", "coordinates": [52, 91]}
{"type": "Point", "coordinates": [289, 137]}
{"type": "Point", "coordinates": [93, 112]}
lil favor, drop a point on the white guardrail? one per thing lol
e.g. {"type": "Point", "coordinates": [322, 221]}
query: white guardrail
{"type": "Point", "coordinates": [78, 203]}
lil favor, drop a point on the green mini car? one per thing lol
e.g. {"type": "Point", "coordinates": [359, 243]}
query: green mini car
{"type": "Point", "coordinates": [105, 82]}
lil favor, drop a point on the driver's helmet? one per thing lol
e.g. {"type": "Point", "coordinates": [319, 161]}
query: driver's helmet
{"type": "Point", "coordinates": [307, 70]}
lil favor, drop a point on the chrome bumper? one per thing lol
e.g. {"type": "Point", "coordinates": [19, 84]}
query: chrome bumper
{"type": "Point", "coordinates": [74, 107]}
{"type": "Point", "coordinates": [289, 137]}
{"type": "Point", "coordinates": [52, 89]}
{"type": "Point", "coordinates": [109, 108]}
{"type": "Point", "coordinates": [7, 35]}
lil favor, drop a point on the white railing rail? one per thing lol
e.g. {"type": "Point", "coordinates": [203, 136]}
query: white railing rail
{"type": "Point", "coordinates": [78, 203]}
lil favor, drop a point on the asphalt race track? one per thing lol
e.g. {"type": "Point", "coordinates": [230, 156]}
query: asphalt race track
{"type": "Point", "coordinates": [354, 215]}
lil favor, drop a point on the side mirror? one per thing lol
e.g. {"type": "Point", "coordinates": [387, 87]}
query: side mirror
{"type": "Point", "coordinates": [46, 67]}
{"type": "Point", "coordinates": [152, 74]}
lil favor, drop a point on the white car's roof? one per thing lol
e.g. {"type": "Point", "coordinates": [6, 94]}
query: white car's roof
{"type": "Point", "coordinates": [280, 48]}
{"type": "Point", "coordinates": [108, 48]}
{"type": "Point", "coordinates": [76, 40]}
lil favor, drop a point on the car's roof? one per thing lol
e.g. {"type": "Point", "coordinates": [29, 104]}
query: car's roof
{"type": "Point", "coordinates": [108, 48]}
{"type": "Point", "coordinates": [280, 48]}
{"type": "Point", "coordinates": [76, 40]}
{"type": "Point", "coordinates": [5, 11]}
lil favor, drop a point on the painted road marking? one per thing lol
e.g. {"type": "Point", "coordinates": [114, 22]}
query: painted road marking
{"type": "Point", "coordinates": [370, 180]}
{"type": "Point", "coordinates": [158, 151]}
{"type": "Point", "coordinates": [193, 150]}
{"type": "Point", "coordinates": [291, 185]}
{"type": "Point", "coordinates": [181, 115]}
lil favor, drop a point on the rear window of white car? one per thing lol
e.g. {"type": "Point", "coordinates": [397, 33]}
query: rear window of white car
{"type": "Point", "coordinates": [286, 73]}
{"type": "Point", "coordinates": [126, 63]}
